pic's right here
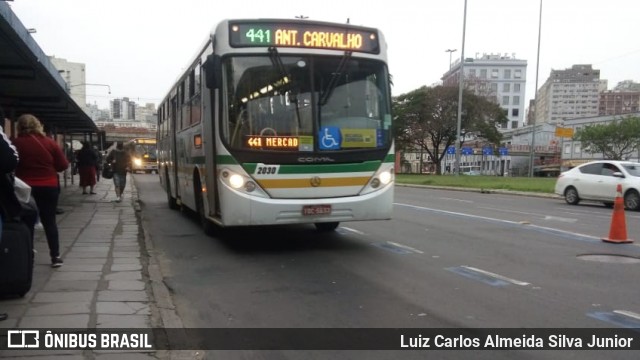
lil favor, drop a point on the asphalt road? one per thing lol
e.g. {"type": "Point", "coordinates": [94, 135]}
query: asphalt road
{"type": "Point", "coordinates": [448, 259]}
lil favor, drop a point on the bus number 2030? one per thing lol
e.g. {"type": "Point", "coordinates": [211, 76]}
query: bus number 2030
{"type": "Point", "coordinates": [266, 170]}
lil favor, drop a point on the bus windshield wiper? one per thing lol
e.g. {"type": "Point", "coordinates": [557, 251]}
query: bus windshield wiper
{"type": "Point", "coordinates": [335, 76]}
{"type": "Point", "coordinates": [276, 60]}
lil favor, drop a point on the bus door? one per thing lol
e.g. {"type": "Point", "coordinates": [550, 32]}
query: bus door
{"type": "Point", "coordinates": [173, 170]}
{"type": "Point", "coordinates": [210, 119]}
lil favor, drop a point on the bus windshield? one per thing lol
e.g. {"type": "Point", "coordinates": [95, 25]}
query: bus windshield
{"type": "Point", "coordinates": [146, 151]}
{"type": "Point", "coordinates": [306, 103]}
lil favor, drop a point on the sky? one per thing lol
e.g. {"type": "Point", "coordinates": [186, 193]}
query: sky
{"type": "Point", "coordinates": [139, 47]}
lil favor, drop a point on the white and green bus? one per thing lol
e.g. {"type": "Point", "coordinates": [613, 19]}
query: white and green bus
{"type": "Point", "coordinates": [280, 122]}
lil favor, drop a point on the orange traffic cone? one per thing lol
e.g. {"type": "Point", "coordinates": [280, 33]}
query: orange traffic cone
{"type": "Point", "coordinates": [618, 230]}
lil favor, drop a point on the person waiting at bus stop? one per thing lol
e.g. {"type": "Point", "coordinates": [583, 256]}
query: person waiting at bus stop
{"type": "Point", "coordinates": [119, 160]}
{"type": "Point", "coordinates": [87, 164]}
{"type": "Point", "coordinates": [40, 161]}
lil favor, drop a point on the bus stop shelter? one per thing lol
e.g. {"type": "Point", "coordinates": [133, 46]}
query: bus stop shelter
{"type": "Point", "coordinates": [29, 83]}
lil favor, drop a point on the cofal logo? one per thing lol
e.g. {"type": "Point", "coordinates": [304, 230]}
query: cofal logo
{"type": "Point", "coordinates": [315, 159]}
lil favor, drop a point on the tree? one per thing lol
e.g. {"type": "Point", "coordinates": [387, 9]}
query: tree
{"type": "Point", "coordinates": [426, 120]}
{"type": "Point", "coordinates": [615, 140]}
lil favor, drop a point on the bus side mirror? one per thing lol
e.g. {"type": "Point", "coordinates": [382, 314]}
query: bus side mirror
{"type": "Point", "coordinates": [213, 71]}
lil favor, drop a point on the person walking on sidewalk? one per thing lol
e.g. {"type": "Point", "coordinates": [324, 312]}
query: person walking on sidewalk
{"type": "Point", "coordinates": [119, 159]}
{"type": "Point", "coordinates": [98, 163]}
{"type": "Point", "coordinates": [40, 161]}
{"type": "Point", "coordinates": [87, 165]}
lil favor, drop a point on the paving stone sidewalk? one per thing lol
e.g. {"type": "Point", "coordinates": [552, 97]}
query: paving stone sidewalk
{"type": "Point", "coordinates": [108, 278]}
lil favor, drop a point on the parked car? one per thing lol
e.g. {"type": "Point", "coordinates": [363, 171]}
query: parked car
{"type": "Point", "coordinates": [598, 180]}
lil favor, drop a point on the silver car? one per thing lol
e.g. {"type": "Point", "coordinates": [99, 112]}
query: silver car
{"type": "Point", "coordinates": [598, 180]}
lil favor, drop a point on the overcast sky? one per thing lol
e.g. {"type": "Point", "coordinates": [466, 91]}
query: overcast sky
{"type": "Point", "coordinates": [138, 47]}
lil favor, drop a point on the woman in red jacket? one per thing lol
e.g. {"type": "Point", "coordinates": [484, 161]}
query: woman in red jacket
{"type": "Point", "coordinates": [40, 161]}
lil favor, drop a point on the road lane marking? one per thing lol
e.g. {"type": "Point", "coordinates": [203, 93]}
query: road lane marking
{"type": "Point", "coordinates": [454, 199]}
{"type": "Point", "coordinates": [544, 217]}
{"type": "Point", "coordinates": [497, 276]}
{"type": "Point", "coordinates": [617, 317]}
{"type": "Point", "coordinates": [474, 275]}
{"type": "Point", "coordinates": [406, 247]}
{"type": "Point", "coordinates": [509, 211]}
{"type": "Point", "coordinates": [543, 229]}
{"type": "Point", "coordinates": [560, 219]}
{"type": "Point", "coordinates": [392, 248]}
{"type": "Point", "coordinates": [352, 230]}
{"type": "Point", "coordinates": [628, 313]}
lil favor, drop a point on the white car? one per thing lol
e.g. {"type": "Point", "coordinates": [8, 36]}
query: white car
{"type": "Point", "coordinates": [598, 180]}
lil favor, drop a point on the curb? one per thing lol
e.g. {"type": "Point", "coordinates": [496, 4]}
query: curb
{"type": "Point", "coordinates": [164, 314]}
{"type": "Point", "coordinates": [485, 191]}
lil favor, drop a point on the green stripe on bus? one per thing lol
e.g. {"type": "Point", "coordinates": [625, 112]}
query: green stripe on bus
{"type": "Point", "coordinates": [226, 160]}
{"type": "Point", "coordinates": [390, 158]}
{"type": "Point", "coordinates": [317, 168]}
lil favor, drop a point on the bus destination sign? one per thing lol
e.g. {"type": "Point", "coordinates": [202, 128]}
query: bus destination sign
{"type": "Point", "coordinates": [302, 35]}
{"type": "Point", "coordinates": [273, 142]}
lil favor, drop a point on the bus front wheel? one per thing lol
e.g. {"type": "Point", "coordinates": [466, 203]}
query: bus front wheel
{"type": "Point", "coordinates": [327, 226]}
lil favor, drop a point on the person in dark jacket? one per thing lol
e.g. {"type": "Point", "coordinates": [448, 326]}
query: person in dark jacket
{"type": "Point", "coordinates": [8, 200]}
{"type": "Point", "coordinates": [40, 161]}
{"type": "Point", "coordinates": [87, 165]}
{"type": "Point", "coordinates": [120, 160]}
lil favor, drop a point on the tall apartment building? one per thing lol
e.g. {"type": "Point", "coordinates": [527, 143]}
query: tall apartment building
{"type": "Point", "coordinates": [146, 113]}
{"type": "Point", "coordinates": [123, 109]}
{"type": "Point", "coordinates": [500, 77]}
{"type": "Point", "coordinates": [623, 99]}
{"type": "Point", "coordinates": [568, 94]}
{"type": "Point", "coordinates": [74, 75]}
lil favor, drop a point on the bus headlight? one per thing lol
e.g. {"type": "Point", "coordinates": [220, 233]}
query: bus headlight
{"type": "Point", "coordinates": [379, 180]}
{"type": "Point", "coordinates": [236, 181]}
{"type": "Point", "coordinates": [137, 162]}
{"type": "Point", "coordinates": [241, 183]}
{"type": "Point", "coordinates": [385, 177]}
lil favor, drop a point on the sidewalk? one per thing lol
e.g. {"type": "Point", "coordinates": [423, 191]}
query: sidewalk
{"type": "Point", "coordinates": [108, 280]}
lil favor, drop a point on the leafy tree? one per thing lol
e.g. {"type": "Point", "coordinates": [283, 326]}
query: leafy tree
{"type": "Point", "coordinates": [426, 120]}
{"type": "Point", "coordinates": [615, 140]}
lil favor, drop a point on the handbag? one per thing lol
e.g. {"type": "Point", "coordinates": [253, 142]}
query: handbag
{"type": "Point", "coordinates": [107, 171]}
{"type": "Point", "coordinates": [23, 191]}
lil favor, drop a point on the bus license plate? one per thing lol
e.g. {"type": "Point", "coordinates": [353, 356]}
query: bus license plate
{"type": "Point", "coordinates": [309, 210]}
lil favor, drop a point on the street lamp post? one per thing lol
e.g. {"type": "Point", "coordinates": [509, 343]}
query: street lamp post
{"type": "Point", "coordinates": [535, 98]}
{"type": "Point", "coordinates": [450, 51]}
{"type": "Point", "coordinates": [459, 125]}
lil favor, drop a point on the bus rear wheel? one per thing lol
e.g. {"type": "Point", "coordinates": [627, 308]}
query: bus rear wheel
{"type": "Point", "coordinates": [327, 226]}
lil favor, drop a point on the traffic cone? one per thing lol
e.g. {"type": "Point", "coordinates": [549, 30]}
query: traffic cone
{"type": "Point", "coordinates": [618, 230]}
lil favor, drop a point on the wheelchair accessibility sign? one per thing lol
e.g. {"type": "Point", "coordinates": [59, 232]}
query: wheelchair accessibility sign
{"type": "Point", "coordinates": [329, 138]}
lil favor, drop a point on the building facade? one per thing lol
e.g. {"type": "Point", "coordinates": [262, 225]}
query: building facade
{"type": "Point", "coordinates": [573, 153]}
{"type": "Point", "coordinates": [500, 77]}
{"type": "Point", "coordinates": [568, 94]}
{"type": "Point", "coordinates": [74, 75]}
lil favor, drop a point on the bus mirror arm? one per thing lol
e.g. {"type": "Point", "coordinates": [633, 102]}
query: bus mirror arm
{"type": "Point", "coordinates": [213, 69]}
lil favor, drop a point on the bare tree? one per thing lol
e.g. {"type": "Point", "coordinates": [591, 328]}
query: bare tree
{"type": "Point", "coordinates": [426, 120]}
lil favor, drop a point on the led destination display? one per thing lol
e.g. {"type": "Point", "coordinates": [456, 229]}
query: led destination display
{"type": "Point", "coordinates": [303, 35]}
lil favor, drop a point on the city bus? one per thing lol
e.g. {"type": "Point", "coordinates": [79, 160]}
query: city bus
{"type": "Point", "coordinates": [143, 154]}
{"type": "Point", "coordinates": [280, 122]}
